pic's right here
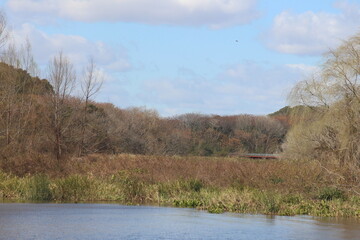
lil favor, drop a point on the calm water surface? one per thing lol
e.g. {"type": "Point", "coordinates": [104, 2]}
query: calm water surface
{"type": "Point", "coordinates": [111, 221]}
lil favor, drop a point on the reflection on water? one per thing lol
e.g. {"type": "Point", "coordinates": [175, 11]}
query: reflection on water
{"type": "Point", "coordinates": [111, 221]}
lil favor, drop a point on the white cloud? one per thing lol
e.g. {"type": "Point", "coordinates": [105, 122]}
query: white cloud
{"type": "Point", "coordinates": [312, 33]}
{"type": "Point", "coordinates": [77, 48]}
{"type": "Point", "coordinates": [307, 70]}
{"type": "Point", "coordinates": [212, 13]}
{"type": "Point", "coordinates": [241, 88]}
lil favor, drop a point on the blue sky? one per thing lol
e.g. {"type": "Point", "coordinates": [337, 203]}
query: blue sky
{"type": "Point", "coordinates": [178, 56]}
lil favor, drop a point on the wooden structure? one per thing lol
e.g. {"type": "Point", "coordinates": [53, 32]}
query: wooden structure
{"type": "Point", "coordinates": [259, 156]}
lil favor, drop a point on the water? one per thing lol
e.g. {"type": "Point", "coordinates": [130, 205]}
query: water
{"type": "Point", "coordinates": [111, 221]}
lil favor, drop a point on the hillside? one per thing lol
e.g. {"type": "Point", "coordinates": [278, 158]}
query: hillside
{"type": "Point", "coordinates": [39, 125]}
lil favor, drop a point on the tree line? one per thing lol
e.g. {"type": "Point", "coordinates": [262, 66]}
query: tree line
{"type": "Point", "coordinates": [39, 116]}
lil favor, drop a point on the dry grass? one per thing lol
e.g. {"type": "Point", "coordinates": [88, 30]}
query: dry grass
{"type": "Point", "coordinates": [215, 184]}
{"type": "Point", "coordinates": [281, 175]}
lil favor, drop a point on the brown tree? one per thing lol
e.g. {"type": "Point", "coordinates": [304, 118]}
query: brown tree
{"type": "Point", "coordinates": [90, 86]}
{"type": "Point", "coordinates": [328, 127]}
{"type": "Point", "coordinates": [61, 75]}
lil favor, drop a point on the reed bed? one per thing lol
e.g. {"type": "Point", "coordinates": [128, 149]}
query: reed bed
{"type": "Point", "coordinates": [215, 184]}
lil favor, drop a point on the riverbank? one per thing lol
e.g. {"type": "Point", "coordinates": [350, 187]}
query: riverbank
{"type": "Point", "coordinates": [214, 184]}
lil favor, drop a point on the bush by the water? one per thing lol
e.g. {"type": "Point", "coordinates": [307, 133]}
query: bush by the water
{"type": "Point", "coordinates": [38, 188]}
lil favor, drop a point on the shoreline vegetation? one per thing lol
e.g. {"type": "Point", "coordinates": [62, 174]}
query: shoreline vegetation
{"type": "Point", "coordinates": [214, 184]}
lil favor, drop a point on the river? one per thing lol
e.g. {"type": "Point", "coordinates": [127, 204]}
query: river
{"type": "Point", "coordinates": [111, 221]}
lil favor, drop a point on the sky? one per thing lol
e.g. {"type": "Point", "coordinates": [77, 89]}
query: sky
{"type": "Point", "coordinates": [222, 57]}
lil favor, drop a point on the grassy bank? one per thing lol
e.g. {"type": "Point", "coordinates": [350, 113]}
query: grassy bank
{"type": "Point", "coordinates": [214, 184]}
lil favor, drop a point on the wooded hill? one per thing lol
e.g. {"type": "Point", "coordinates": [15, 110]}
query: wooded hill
{"type": "Point", "coordinates": [38, 121]}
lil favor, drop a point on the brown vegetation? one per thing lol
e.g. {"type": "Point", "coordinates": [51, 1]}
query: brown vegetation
{"type": "Point", "coordinates": [327, 126]}
{"type": "Point", "coordinates": [284, 176]}
{"type": "Point", "coordinates": [44, 121]}
{"type": "Point", "coordinates": [210, 183]}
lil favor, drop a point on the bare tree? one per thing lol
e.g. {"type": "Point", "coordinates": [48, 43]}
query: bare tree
{"type": "Point", "coordinates": [27, 60]}
{"type": "Point", "coordinates": [90, 86]}
{"type": "Point", "coordinates": [8, 93]}
{"type": "Point", "coordinates": [92, 81]}
{"type": "Point", "coordinates": [62, 77]}
{"type": "Point", "coordinates": [10, 56]}
{"type": "Point", "coordinates": [16, 98]}
{"type": "Point", "coordinates": [330, 124]}
{"type": "Point", "coordinates": [21, 57]}
{"type": "Point", "coordinates": [4, 33]}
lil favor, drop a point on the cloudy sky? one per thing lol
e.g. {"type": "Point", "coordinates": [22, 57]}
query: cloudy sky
{"type": "Point", "coordinates": [179, 56]}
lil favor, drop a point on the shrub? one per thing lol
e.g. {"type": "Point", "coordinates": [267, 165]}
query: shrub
{"type": "Point", "coordinates": [195, 185]}
{"type": "Point", "coordinates": [269, 202]}
{"type": "Point", "coordinates": [217, 208]}
{"type": "Point", "coordinates": [132, 187]}
{"type": "Point", "coordinates": [330, 193]}
{"type": "Point", "coordinates": [38, 188]}
{"type": "Point", "coordinates": [133, 190]}
{"type": "Point", "coordinates": [192, 185]}
{"type": "Point", "coordinates": [72, 188]}
{"type": "Point", "coordinates": [291, 199]}
{"type": "Point", "coordinates": [193, 203]}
